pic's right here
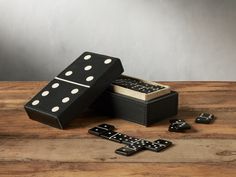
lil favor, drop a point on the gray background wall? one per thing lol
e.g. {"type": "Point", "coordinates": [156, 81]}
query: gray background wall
{"type": "Point", "coordinates": [156, 39]}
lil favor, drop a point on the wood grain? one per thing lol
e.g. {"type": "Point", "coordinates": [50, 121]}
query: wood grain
{"type": "Point", "coordinates": [28, 148]}
{"type": "Point", "coordinates": [100, 150]}
{"type": "Point", "coordinates": [62, 169]}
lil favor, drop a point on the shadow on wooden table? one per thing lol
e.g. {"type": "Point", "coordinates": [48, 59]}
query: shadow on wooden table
{"type": "Point", "coordinates": [88, 119]}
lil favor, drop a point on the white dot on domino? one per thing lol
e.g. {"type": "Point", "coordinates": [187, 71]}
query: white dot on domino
{"type": "Point", "coordinates": [68, 73]}
{"type": "Point", "coordinates": [74, 91]}
{"type": "Point", "coordinates": [55, 109]}
{"type": "Point", "coordinates": [87, 57]}
{"type": "Point", "coordinates": [90, 78]}
{"type": "Point", "coordinates": [65, 100]}
{"type": "Point", "coordinates": [35, 102]}
{"type": "Point", "coordinates": [107, 61]}
{"type": "Point", "coordinates": [45, 93]}
{"type": "Point", "coordinates": [87, 68]}
{"type": "Point", "coordinates": [55, 85]}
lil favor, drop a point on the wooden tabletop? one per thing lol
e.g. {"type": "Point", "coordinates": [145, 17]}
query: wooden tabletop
{"type": "Point", "coordinates": [29, 148]}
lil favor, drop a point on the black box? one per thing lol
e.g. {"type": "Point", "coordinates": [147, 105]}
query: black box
{"type": "Point", "coordinates": [136, 110]}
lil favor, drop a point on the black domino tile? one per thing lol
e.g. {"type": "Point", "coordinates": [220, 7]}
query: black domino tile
{"type": "Point", "coordinates": [118, 137]}
{"type": "Point", "coordinates": [128, 139]}
{"type": "Point", "coordinates": [205, 118]}
{"type": "Point", "coordinates": [108, 134]}
{"type": "Point", "coordinates": [123, 138]}
{"type": "Point", "coordinates": [107, 127]}
{"type": "Point", "coordinates": [158, 145]}
{"type": "Point", "coordinates": [155, 147]}
{"type": "Point", "coordinates": [125, 151]}
{"type": "Point", "coordinates": [130, 149]}
{"type": "Point", "coordinates": [178, 125]}
{"type": "Point", "coordinates": [145, 143]}
{"type": "Point", "coordinates": [57, 106]}
{"type": "Point", "coordinates": [138, 145]}
{"type": "Point", "coordinates": [164, 142]}
{"type": "Point", "coordinates": [96, 131]}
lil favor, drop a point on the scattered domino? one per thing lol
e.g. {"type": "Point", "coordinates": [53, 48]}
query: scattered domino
{"type": "Point", "coordinates": [129, 139]}
{"type": "Point", "coordinates": [138, 88]}
{"type": "Point", "coordinates": [205, 118]}
{"type": "Point", "coordinates": [108, 134]}
{"type": "Point", "coordinates": [178, 125]}
{"type": "Point", "coordinates": [107, 127]}
{"type": "Point", "coordinates": [133, 145]}
{"type": "Point", "coordinates": [97, 131]}
{"type": "Point", "coordinates": [102, 129]}
{"type": "Point", "coordinates": [130, 149]}
{"type": "Point", "coordinates": [74, 89]}
{"type": "Point", "coordinates": [118, 137]}
{"type": "Point", "coordinates": [163, 144]}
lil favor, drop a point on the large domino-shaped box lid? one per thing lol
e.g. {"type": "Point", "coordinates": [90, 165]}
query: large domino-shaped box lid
{"type": "Point", "coordinates": [72, 92]}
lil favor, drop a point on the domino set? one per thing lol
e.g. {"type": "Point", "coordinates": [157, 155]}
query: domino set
{"type": "Point", "coordinates": [138, 88]}
{"type": "Point", "coordinates": [133, 145]}
{"type": "Point", "coordinates": [95, 81]}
